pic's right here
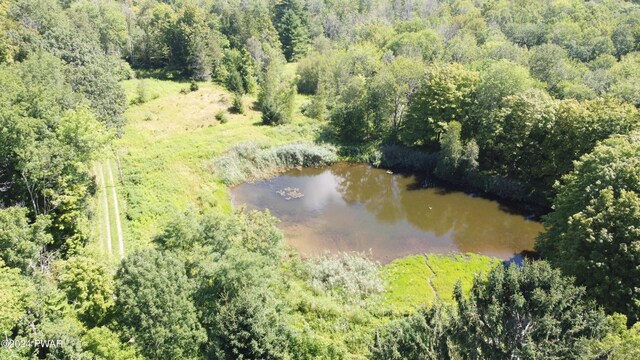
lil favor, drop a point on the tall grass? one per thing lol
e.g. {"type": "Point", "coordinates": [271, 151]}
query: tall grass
{"type": "Point", "coordinates": [351, 277]}
{"type": "Point", "coordinates": [250, 162]}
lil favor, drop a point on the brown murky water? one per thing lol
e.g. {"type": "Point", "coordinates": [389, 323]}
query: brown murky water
{"type": "Point", "coordinates": [347, 207]}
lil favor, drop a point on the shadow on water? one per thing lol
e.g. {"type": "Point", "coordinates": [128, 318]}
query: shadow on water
{"type": "Point", "coordinates": [520, 258]}
{"type": "Point", "coordinates": [529, 211]}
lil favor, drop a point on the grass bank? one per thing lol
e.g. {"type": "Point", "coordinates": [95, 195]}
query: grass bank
{"type": "Point", "coordinates": [422, 280]}
{"type": "Point", "coordinates": [168, 144]}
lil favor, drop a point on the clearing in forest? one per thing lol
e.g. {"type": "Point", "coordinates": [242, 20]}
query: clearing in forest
{"type": "Point", "coordinates": [168, 145]}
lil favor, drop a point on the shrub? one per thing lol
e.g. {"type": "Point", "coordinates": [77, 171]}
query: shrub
{"type": "Point", "coordinates": [222, 117]}
{"type": "Point", "coordinates": [419, 336]}
{"type": "Point", "coordinates": [248, 162]}
{"type": "Point", "coordinates": [142, 95]}
{"type": "Point", "coordinates": [150, 116]}
{"type": "Point", "coordinates": [308, 71]}
{"type": "Point", "coordinates": [194, 86]}
{"type": "Point", "coordinates": [402, 158]}
{"type": "Point", "coordinates": [237, 105]}
{"type": "Point", "coordinates": [350, 276]}
{"type": "Point", "coordinates": [253, 231]}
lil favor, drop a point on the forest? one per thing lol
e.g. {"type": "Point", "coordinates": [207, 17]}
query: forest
{"type": "Point", "coordinates": [124, 123]}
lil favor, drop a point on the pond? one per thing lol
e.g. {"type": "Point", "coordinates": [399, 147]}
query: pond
{"type": "Point", "coordinates": [347, 207]}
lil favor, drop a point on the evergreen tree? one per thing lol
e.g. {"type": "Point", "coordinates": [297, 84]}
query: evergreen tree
{"type": "Point", "coordinates": [292, 25]}
{"type": "Point", "coordinates": [420, 336]}
{"type": "Point", "coordinates": [531, 312]}
{"type": "Point", "coordinates": [276, 96]}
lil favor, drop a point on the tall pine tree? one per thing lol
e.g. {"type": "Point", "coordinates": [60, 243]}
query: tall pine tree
{"type": "Point", "coordinates": [291, 21]}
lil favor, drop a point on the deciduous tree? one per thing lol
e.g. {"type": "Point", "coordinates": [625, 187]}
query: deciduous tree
{"type": "Point", "coordinates": [154, 305]}
{"type": "Point", "coordinates": [594, 231]}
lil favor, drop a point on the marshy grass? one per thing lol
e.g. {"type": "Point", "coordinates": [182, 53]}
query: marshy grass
{"type": "Point", "coordinates": [250, 162]}
{"type": "Point", "coordinates": [420, 281]}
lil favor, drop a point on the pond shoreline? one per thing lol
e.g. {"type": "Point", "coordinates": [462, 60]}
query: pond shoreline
{"type": "Point", "coordinates": [357, 207]}
{"type": "Point", "coordinates": [519, 196]}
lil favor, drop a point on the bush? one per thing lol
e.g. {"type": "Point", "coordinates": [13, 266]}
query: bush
{"type": "Point", "coordinates": [350, 276]}
{"type": "Point", "coordinates": [142, 95]}
{"type": "Point", "coordinates": [505, 188]}
{"type": "Point", "coordinates": [222, 117]}
{"type": "Point", "coordinates": [419, 336]}
{"type": "Point", "coordinates": [194, 86]}
{"type": "Point", "coordinates": [247, 162]}
{"type": "Point", "coordinates": [308, 72]}
{"type": "Point", "coordinates": [402, 158]}
{"type": "Point", "coordinates": [252, 231]}
{"type": "Point", "coordinates": [237, 105]}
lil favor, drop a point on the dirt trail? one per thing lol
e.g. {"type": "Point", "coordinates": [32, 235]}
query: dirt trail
{"type": "Point", "coordinates": [116, 210]}
{"type": "Point", "coordinates": [435, 292]}
{"type": "Point", "coordinates": [105, 202]}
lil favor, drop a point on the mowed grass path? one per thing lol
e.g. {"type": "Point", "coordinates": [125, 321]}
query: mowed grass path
{"type": "Point", "coordinates": [168, 145]}
{"type": "Point", "coordinates": [108, 214]}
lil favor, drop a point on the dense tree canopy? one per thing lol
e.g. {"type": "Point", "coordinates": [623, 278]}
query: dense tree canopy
{"type": "Point", "coordinates": [527, 312]}
{"type": "Point", "coordinates": [49, 138]}
{"type": "Point", "coordinates": [592, 233]}
{"type": "Point", "coordinates": [89, 287]}
{"type": "Point", "coordinates": [445, 95]}
{"type": "Point", "coordinates": [530, 312]}
{"type": "Point", "coordinates": [148, 283]}
{"type": "Point", "coordinates": [502, 97]}
{"type": "Point", "coordinates": [22, 242]}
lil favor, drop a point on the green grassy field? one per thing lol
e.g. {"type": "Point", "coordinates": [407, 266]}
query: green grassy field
{"type": "Point", "coordinates": [449, 269]}
{"type": "Point", "coordinates": [169, 143]}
